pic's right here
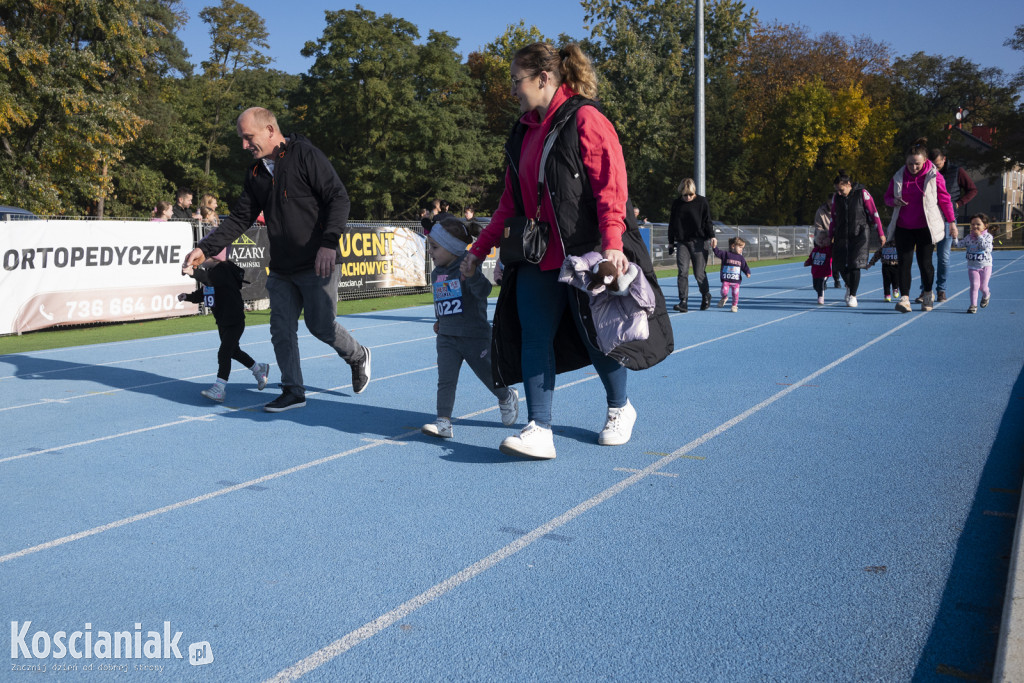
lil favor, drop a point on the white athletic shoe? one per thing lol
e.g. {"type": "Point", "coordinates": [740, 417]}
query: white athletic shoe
{"type": "Point", "coordinates": [441, 428]}
{"type": "Point", "coordinates": [261, 372]}
{"type": "Point", "coordinates": [821, 300]}
{"type": "Point", "coordinates": [509, 407]}
{"type": "Point", "coordinates": [735, 309]}
{"type": "Point", "coordinates": [721, 302]}
{"type": "Point", "coordinates": [618, 428]}
{"type": "Point", "coordinates": [215, 393]}
{"type": "Point", "coordinates": [852, 301]}
{"type": "Point", "coordinates": [533, 442]}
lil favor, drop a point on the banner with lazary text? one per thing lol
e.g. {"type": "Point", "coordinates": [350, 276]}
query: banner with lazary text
{"type": "Point", "coordinates": [77, 272]}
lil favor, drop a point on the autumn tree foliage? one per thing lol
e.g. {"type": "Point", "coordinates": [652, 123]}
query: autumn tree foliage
{"type": "Point", "coordinates": [101, 111]}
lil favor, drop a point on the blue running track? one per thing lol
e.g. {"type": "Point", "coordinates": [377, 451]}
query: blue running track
{"type": "Point", "coordinates": [812, 493]}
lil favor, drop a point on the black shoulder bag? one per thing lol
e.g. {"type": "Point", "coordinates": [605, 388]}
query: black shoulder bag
{"type": "Point", "coordinates": [526, 239]}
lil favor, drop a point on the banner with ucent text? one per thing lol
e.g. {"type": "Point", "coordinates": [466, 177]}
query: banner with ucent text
{"type": "Point", "coordinates": [78, 272]}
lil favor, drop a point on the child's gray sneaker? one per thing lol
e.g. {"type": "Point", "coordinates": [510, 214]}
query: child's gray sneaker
{"type": "Point", "coordinates": [215, 393]}
{"type": "Point", "coordinates": [509, 407]}
{"type": "Point", "coordinates": [261, 372]}
{"type": "Point", "coordinates": [361, 372]}
{"type": "Point", "coordinates": [441, 428]}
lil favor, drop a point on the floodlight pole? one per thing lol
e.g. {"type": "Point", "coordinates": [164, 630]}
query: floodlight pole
{"type": "Point", "coordinates": [698, 115]}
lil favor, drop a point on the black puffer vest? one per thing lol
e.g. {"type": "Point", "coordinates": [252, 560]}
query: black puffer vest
{"type": "Point", "coordinates": [566, 181]}
{"type": "Point", "coordinates": [850, 230]}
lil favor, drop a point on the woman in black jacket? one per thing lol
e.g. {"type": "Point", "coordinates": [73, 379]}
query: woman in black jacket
{"type": "Point", "coordinates": [853, 212]}
{"type": "Point", "coordinates": [689, 229]}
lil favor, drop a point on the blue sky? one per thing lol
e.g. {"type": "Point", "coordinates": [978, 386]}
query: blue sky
{"type": "Point", "coordinates": [947, 27]}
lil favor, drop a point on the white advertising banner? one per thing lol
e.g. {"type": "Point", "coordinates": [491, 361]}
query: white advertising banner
{"type": "Point", "coordinates": [78, 272]}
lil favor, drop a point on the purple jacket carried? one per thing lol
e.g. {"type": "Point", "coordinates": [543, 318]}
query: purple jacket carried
{"type": "Point", "coordinates": [618, 318]}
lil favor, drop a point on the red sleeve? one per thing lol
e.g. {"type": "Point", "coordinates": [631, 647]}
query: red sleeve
{"type": "Point", "coordinates": [606, 169]}
{"type": "Point", "coordinates": [968, 190]}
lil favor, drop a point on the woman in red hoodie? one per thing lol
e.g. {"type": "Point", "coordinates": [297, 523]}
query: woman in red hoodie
{"type": "Point", "coordinates": [920, 219]}
{"type": "Point", "coordinates": [584, 200]}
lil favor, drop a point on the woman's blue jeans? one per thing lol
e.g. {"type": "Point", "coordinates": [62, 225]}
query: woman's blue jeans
{"type": "Point", "coordinates": [541, 301]}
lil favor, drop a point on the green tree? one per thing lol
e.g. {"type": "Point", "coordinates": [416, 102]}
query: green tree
{"type": "Point", "coordinates": [236, 35]}
{"type": "Point", "coordinates": [490, 70]}
{"type": "Point", "coordinates": [69, 84]}
{"type": "Point", "coordinates": [928, 91]}
{"type": "Point", "coordinates": [643, 52]}
{"type": "Point", "coordinates": [400, 121]}
{"type": "Point", "coordinates": [812, 106]}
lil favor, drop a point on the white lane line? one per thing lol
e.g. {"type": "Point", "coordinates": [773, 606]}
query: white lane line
{"type": "Point", "coordinates": [372, 628]}
{"type": "Point", "coordinates": [171, 355]}
{"type": "Point", "coordinates": [181, 504]}
{"type": "Point", "coordinates": [370, 444]}
{"type": "Point", "coordinates": [109, 392]}
{"type": "Point", "coordinates": [197, 418]}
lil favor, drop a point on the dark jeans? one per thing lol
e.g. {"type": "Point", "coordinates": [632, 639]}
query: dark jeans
{"type": "Point", "coordinates": [909, 242]}
{"type": "Point", "coordinates": [317, 299]}
{"type": "Point", "coordinates": [890, 279]}
{"type": "Point", "coordinates": [541, 301]}
{"type": "Point", "coordinates": [229, 349]}
{"type": "Point", "coordinates": [695, 252]}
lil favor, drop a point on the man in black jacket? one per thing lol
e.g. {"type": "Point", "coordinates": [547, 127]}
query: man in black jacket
{"type": "Point", "coordinates": [305, 206]}
{"type": "Point", "coordinates": [182, 209]}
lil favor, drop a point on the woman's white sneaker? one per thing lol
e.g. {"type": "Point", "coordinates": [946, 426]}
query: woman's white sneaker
{"type": "Point", "coordinates": [533, 441]}
{"type": "Point", "coordinates": [618, 428]}
{"type": "Point", "coordinates": [441, 428]}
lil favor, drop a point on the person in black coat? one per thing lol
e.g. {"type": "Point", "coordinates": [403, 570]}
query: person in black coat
{"type": "Point", "coordinates": [853, 211]}
{"type": "Point", "coordinates": [689, 229]}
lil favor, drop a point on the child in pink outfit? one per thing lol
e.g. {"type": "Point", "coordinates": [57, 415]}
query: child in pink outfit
{"type": "Point", "coordinates": [820, 261]}
{"type": "Point", "coordinates": [733, 268]}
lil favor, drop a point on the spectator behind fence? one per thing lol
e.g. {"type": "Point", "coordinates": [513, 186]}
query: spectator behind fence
{"type": "Point", "coordinates": [183, 205]}
{"type": "Point", "coordinates": [920, 219]}
{"type": "Point", "coordinates": [961, 190]}
{"type": "Point", "coordinates": [162, 211]}
{"type": "Point", "coordinates": [689, 229]}
{"type": "Point", "coordinates": [305, 206]}
{"type": "Point", "coordinates": [853, 212]}
{"type": "Point", "coordinates": [581, 192]}
{"type": "Point", "coordinates": [209, 216]}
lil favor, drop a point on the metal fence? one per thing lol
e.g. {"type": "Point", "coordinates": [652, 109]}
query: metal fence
{"type": "Point", "coordinates": [761, 242]}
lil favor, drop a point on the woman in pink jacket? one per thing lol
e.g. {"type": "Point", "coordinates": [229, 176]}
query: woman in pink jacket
{"type": "Point", "coordinates": [920, 219]}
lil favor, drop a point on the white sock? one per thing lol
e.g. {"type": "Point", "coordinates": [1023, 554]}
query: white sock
{"type": "Point", "coordinates": [222, 382]}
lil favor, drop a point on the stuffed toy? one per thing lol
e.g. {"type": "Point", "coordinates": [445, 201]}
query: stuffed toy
{"type": "Point", "coordinates": [604, 278]}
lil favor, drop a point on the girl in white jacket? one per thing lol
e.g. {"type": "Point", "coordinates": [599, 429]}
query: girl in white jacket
{"type": "Point", "coordinates": [979, 258]}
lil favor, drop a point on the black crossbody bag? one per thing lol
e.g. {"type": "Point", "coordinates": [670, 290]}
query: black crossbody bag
{"type": "Point", "coordinates": [526, 239]}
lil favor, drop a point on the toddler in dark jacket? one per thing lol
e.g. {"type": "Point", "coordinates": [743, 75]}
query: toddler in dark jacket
{"type": "Point", "coordinates": [220, 289]}
{"type": "Point", "coordinates": [463, 331]}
